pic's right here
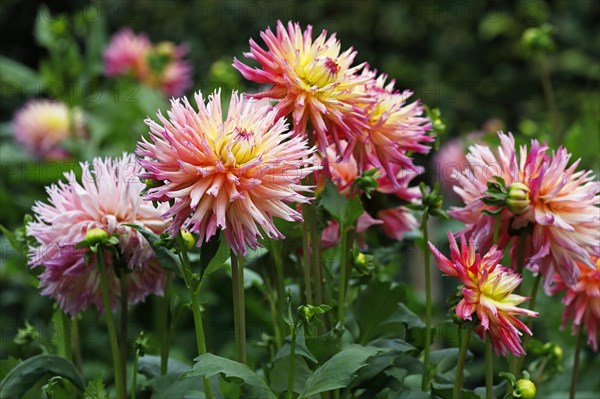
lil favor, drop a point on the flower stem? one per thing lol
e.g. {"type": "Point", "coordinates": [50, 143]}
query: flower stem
{"type": "Point", "coordinates": [315, 240]}
{"type": "Point", "coordinates": [462, 356]}
{"type": "Point", "coordinates": [290, 383]}
{"type": "Point", "coordinates": [123, 324]}
{"type": "Point", "coordinates": [112, 336]}
{"type": "Point", "coordinates": [521, 252]}
{"type": "Point", "coordinates": [578, 346]}
{"type": "Point", "coordinates": [518, 365]}
{"type": "Point", "coordinates": [66, 326]}
{"type": "Point", "coordinates": [343, 273]}
{"type": "Point", "coordinates": [76, 345]}
{"type": "Point", "coordinates": [425, 380]}
{"type": "Point", "coordinates": [550, 98]}
{"type": "Point", "coordinates": [280, 297]}
{"type": "Point", "coordinates": [135, 371]}
{"type": "Point", "coordinates": [307, 258]}
{"type": "Point", "coordinates": [489, 368]}
{"type": "Point", "coordinates": [164, 327]}
{"type": "Point", "coordinates": [239, 307]}
{"type": "Point", "coordinates": [196, 310]}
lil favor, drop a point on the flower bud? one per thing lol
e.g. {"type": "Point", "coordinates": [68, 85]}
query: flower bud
{"type": "Point", "coordinates": [188, 239]}
{"type": "Point", "coordinates": [360, 259]}
{"type": "Point", "coordinates": [517, 198]}
{"type": "Point", "coordinates": [152, 183]}
{"type": "Point", "coordinates": [96, 235]}
{"type": "Point", "coordinates": [524, 389]}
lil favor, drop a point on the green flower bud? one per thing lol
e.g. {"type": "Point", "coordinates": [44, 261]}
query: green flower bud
{"type": "Point", "coordinates": [524, 389]}
{"type": "Point", "coordinates": [96, 235]}
{"type": "Point", "coordinates": [188, 239]}
{"type": "Point", "coordinates": [557, 352]}
{"type": "Point", "coordinates": [517, 198]}
{"type": "Point", "coordinates": [360, 260]}
{"type": "Point", "coordinates": [151, 183]}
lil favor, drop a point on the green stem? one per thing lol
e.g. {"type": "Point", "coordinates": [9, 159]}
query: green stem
{"type": "Point", "coordinates": [315, 238]}
{"type": "Point", "coordinates": [425, 380]}
{"type": "Point", "coordinates": [239, 307]}
{"type": "Point", "coordinates": [67, 341]}
{"type": "Point", "coordinates": [518, 364]}
{"type": "Point", "coordinates": [521, 252]}
{"type": "Point", "coordinates": [280, 297]}
{"type": "Point", "coordinates": [112, 336]}
{"type": "Point", "coordinates": [307, 258]}
{"type": "Point", "coordinates": [196, 309]}
{"type": "Point", "coordinates": [578, 346]}
{"type": "Point", "coordinates": [290, 383]}
{"type": "Point", "coordinates": [343, 273]}
{"type": "Point", "coordinates": [135, 371]}
{"type": "Point", "coordinates": [489, 368]}
{"type": "Point", "coordinates": [123, 324]}
{"type": "Point", "coordinates": [76, 344]}
{"type": "Point", "coordinates": [164, 327]}
{"type": "Point", "coordinates": [550, 99]}
{"type": "Point", "coordinates": [462, 355]}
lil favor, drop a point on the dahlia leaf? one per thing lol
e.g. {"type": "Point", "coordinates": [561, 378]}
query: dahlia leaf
{"type": "Point", "coordinates": [95, 389]}
{"type": "Point", "coordinates": [166, 258]}
{"type": "Point", "coordinates": [213, 256]}
{"type": "Point", "coordinates": [252, 384]}
{"type": "Point", "coordinates": [26, 374]}
{"type": "Point", "coordinates": [339, 371]}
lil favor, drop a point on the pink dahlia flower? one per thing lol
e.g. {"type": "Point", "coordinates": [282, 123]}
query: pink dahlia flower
{"type": "Point", "coordinates": [234, 174]}
{"type": "Point", "coordinates": [395, 127]}
{"type": "Point", "coordinates": [41, 126]}
{"type": "Point", "coordinates": [397, 221]}
{"type": "Point", "coordinates": [562, 213]}
{"type": "Point", "coordinates": [582, 301]}
{"type": "Point", "coordinates": [311, 79]}
{"type": "Point", "coordinates": [161, 65]}
{"type": "Point", "coordinates": [126, 54]}
{"type": "Point", "coordinates": [108, 197]}
{"type": "Point", "coordinates": [487, 292]}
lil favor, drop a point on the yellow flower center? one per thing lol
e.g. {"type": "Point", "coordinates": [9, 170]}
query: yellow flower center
{"type": "Point", "coordinates": [320, 71]}
{"type": "Point", "coordinates": [240, 142]}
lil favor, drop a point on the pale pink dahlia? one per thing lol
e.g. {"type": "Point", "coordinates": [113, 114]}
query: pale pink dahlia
{"type": "Point", "coordinates": [41, 126]}
{"type": "Point", "coordinates": [161, 65]}
{"type": "Point", "coordinates": [108, 197]}
{"type": "Point", "coordinates": [397, 221]}
{"type": "Point", "coordinates": [311, 79]}
{"type": "Point", "coordinates": [395, 128]}
{"type": "Point", "coordinates": [562, 213]}
{"type": "Point", "coordinates": [234, 174]}
{"type": "Point", "coordinates": [126, 54]}
{"type": "Point", "coordinates": [582, 301]}
{"type": "Point", "coordinates": [487, 292]}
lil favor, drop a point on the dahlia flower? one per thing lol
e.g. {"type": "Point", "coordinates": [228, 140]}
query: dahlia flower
{"type": "Point", "coordinates": [562, 213]}
{"type": "Point", "coordinates": [582, 301]}
{"type": "Point", "coordinates": [42, 125]}
{"type": "Point", "coordinates": [487, 292]}
{"type": "Point", "coordinates": [397, 221]}
{"type": "Point", "coordinates": [311, 79]}
{"type": "Point", "coordinates": [394, 129]}
{"type": "Point", "coordinates": [107, 198]}
{"type": "Point", "coordinates": [234, 174]}
{"type": "Point", "coordinates": [161, 65]}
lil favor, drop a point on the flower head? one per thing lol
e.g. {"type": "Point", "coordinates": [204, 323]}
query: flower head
{"type": "Point", "coordinates": [161, 65]}
{"type": "Point", "coordinates": [487, 292]}
{"type": "Point", "coordinates": [234, 174]}
{"type": "Point", "coordinates": [312, 80]}
{"type": "Point", "coordinates": [582, 301]}
{"type": "Point", "coordinates": [41, 126]}
{"type": "Point", "coordinates": [562, 211]}
{"type": "Point", "coordinates": [107, 198]}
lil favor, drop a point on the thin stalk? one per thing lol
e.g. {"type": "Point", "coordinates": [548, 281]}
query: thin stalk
{"type": "Point", "coordinates": [489, 368]}
{"type": "Point", "coordinates": [196, 310]}
{"type": "Point", "coordinates": [578, 346]}
{"type": "Point", "coordinates": [307, 258]}
{"type": "Point", "coordinates": [123, 324]}
{"type": "Point", "coordinates": [521, 252]}
{"type": "Point", "coordinates": [112, 336]}
{"type": "Point", "coordinates": [518, 365]}
{"type": "Point", "coordinates": [343, 274]}
{"type": "Point", "coordinates": [462, 355]}
{"type": "Point", "coordinates": [425, 380]}
{"type": "Point", "coordinates": [164, 328]}
{"type": "Point", "coordinates": [67, 341]}
{"type": "Point", "coordinates": [76, 345]}
{"type": "Point", "coordinates": [550, 98]}
{"type": "Point", "coordinates": [315, 239]}
{"type": "Point", "coordinates": [239, 306]}
{"type": "Point", "coordinates": [135, 371]}
{"type": "Point", "coordinates": [290, 382]}
{"type": "Point", "coordinates": [280, 296]}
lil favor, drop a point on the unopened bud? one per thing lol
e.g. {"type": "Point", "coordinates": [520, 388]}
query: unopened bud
{"type": "Point", "coordinates": [360, 260]}
{"type": "Point", "coordinates": [188, 239]}
{"type": "Point", "coordinates": [524, 389]}
{"type": "Point", "coordinates": [96, 235]}
{"type": "Point", "coordinates": [152, 183]}
{"type": "Point", "coordinates": [517, 198]}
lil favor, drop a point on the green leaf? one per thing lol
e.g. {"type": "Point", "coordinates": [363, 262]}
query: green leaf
{"type": "Point", "coordinates": [12, 238]}
{"type": "Point", "coordinates": [149, 365]}
{"type": "Point", "coordinates": [95, 389]}
{"type": "Point", "coordinates": [353, 212]}
{"type": "Point", "coordinates": [19, 77]}
{"type": "Point", "coordinates": [208, 365]}
{"type": "Point", "coordinates": [301, 348]}
{"type": "Point", "coordinates": [404, 315]}
{"type": "Point", "coordinates": [279, 374]}
{"type": "Point", "coordinates": [20, 379]}
{"type": "Point", "coordinates": [446, 359]}
{"type": "Point", "coordinates": [169, 386]}
{"type": "Point", "coordinates": [213, 257]}
{"type": "Point", "coordinates": [339, 371]}
{"type": "Point", "coordinates": [334, 202]}
{"type": "Point", "coordinates": [446, 391]}
{"type": "Point", "coordinates": [166, 258]}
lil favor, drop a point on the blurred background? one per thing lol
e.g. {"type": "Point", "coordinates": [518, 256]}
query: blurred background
{"type": "Point", "coordinates": [530, 67]}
